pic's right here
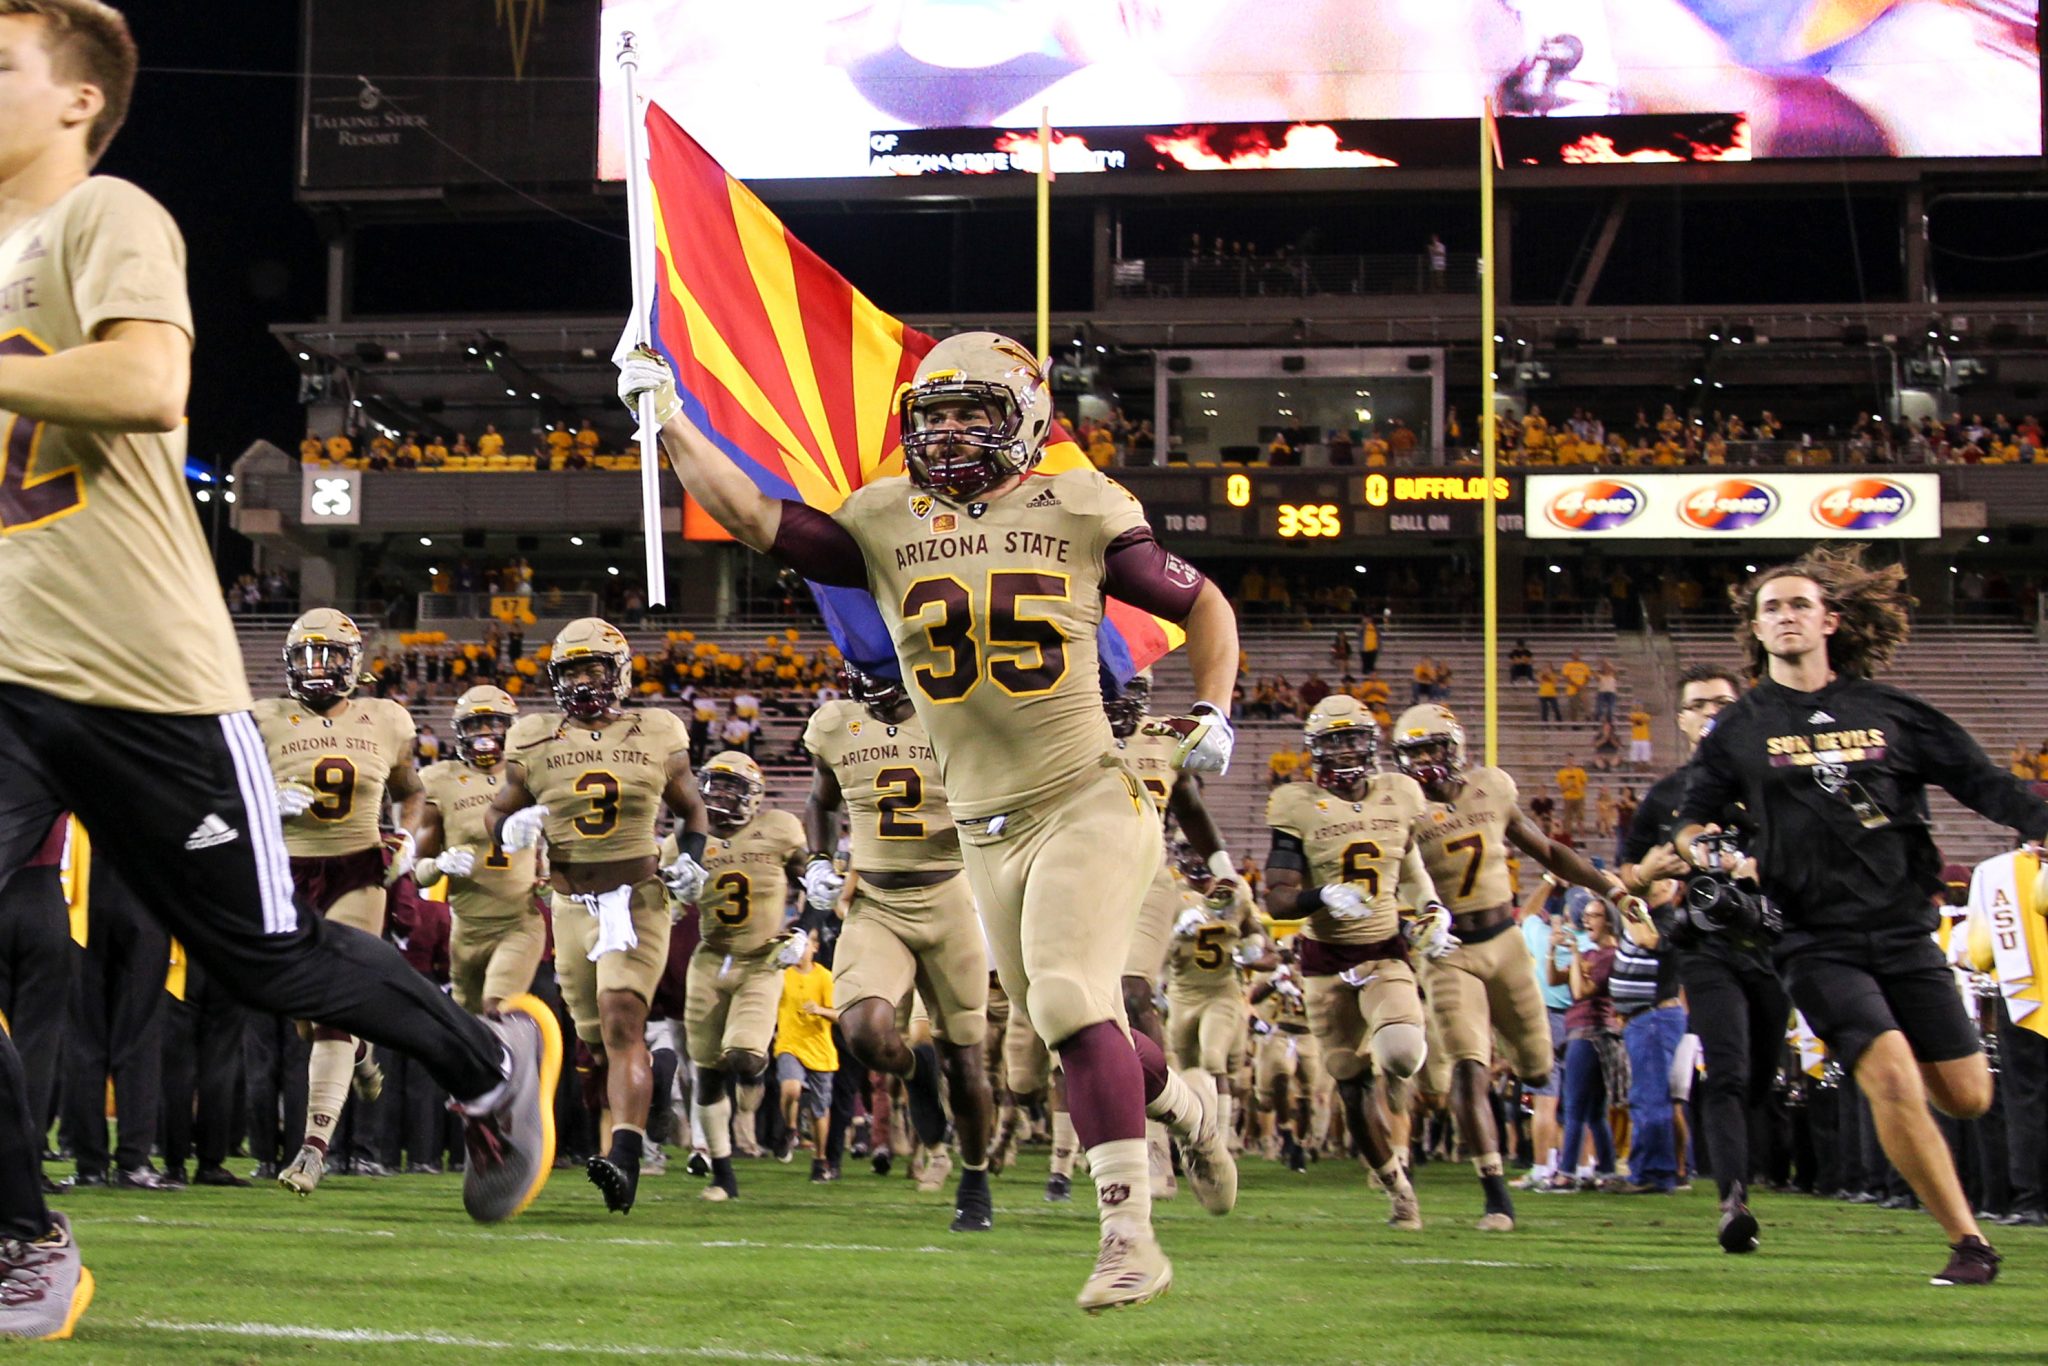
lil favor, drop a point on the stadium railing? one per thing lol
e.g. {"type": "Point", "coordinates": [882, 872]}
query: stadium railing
{"type": "Point", "coordinates": [1241, 277]}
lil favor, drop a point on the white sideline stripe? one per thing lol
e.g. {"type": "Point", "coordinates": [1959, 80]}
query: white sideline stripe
{"type": "Point", "coordinates": [266, 830]}
{"type": "Point", "coordinates": [480, 1235]}
{"type": "Point", "coordinates": [382, 1337]}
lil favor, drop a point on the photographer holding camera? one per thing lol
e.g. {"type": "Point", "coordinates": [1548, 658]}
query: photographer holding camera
{"type": "Point", "coordinates": [1736, 1005]}
{"type": "Point", "coordinates": [1832, 767]}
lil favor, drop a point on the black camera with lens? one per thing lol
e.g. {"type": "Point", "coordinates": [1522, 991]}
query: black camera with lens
{"type": "Point", "coordinates": [1720, 904]}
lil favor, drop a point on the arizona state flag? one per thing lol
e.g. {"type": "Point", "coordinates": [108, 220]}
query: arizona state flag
{"type": "Point", "coordinates": [794, 373]}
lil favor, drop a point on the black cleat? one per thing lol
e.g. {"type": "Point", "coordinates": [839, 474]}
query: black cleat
{"type": "Point", "coordinates": [1738, 1228]}
{"type": "Point", "coordinates": [1059, 1188]}
{"type": "Point", "coordinates": [1971, 1262]}
{"type": "Point", "coordinates": [699, 1163]}
{"type": "Point", "coordinates": [973, 1210]}
{"type": "Point", "coordinates": [2024, 1218]}
{"type": "Point", "coordinates": [618, 1180]}
{"type": "Point", "coordinates": [921, 1089]}
{"type": "Point", "coordinates": [882, 1162]}
{"type": "Point", "coordinates": [1293, 1156]}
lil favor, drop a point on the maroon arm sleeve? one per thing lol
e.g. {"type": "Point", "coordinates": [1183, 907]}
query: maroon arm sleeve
{"type": "Point", "coordinates": [818, 548]}
{"type": "Point", "coordinates": [1144, 573]}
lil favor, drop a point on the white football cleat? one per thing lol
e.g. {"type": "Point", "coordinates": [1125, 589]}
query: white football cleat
{"type": "Point", "coordinates": [303, 1172]}
{"type": "Point", "coordinates": [1129, 1269]}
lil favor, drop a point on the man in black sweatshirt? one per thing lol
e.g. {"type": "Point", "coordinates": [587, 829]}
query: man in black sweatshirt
{"type": "Point", "coordinates": [1833, 770]}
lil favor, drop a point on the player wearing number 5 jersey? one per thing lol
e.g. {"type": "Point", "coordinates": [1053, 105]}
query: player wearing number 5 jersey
{"type": "Point", "coordinates": [500, 934]}
{"type": "Point", "coordinates": [1345, 856]}
{"type": "Point", "coordinates": [592, 778]}
{"type": "Point", "coordinates": [337, 758]}
{"type": "Point", "coordinates": [1205, 1001]}
{"type": "Point", "coordinates": [912, 922]}
{"type": "Point", "coordinates": [990, 577]}
{"type": "Point", "coordinates": [1482, 989]}
{"type": "Point", "coordinates": [754, 856]}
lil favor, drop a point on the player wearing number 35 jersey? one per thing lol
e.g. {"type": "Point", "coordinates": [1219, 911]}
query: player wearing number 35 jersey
{"type": "Point", "coordinates": [592, 778]}
{"type": "Point", "coordinates": [990, 577]}
{"type": "Point", "coordinates": [336, 757]}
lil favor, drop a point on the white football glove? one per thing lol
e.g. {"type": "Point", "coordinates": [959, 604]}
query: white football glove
{"type": "Point", "coordinates": [792, 951]}
{"type": "Point", "coordinates": [522, 829]}
{"type": "Point", "coordinates": [404, 850]}
{"type": "Point", "coordinates": [459, 862]}
{"type": "Point", "coordinates": [822, 883]}
{"type": "Point", "coordinates": [293, 800]}
{"type": "Point", "coordinates": [641, 371]}
{"type": "Point", "coordinates": [684, 878]}
{"type": "Point", "coordinates": [1205, 747]}
{"type": "Point", "coordinates": [1190, 923]}
{"type": "Point", "coordinates": [1289, 988]}
{"type": "Point", "coordinates": [1345, 901]}
{"type": "Point", "coordinates": [1430, 933]}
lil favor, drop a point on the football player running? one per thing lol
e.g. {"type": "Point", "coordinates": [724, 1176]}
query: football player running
{"type": "Point", "coordinates": [499, 934]}
{"type": "Point", "coordinates": [591, 779]}
{"type": "Point", "coordinates": [337, 759]}
{"type": "Point", "coordinates": [754, 856]}
{"type": "Point", "coordinates": [1148, 746]}
{"type": "Point", "coordinates": [1205, 999]}
{"type": "Point", "coordinates": [1345, 855]}
{"type": "Point", "coordinates": [1287, 1061]}
{"type": "Point", "coordinates": [1482, 988]}
{"type": "Point", "coordinates": [991, 579]}
{"type": "Point", "coordinates": [912, 921]}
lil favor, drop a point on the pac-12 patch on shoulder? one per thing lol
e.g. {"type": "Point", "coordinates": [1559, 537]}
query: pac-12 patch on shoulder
{"type": "Point", "coordinates": [920, 505]}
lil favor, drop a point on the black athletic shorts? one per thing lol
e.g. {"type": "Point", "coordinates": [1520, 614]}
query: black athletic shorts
{"type": "Point", "coordinates": [1852, 987]}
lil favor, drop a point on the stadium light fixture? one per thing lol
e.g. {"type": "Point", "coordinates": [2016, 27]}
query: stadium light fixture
{"type": "Point", "coordinates": [612, 570]}
{"type": "Point", "coordinates": [1557, 569]}
{"type": "Point", "coordinates": [305, 355]}
{"type": "Point", "coordinates": [426, 540]}
{"type": "Point", "coordinates": [1749, 569]}
{"type": "Point", "coordinates": [204, 495]}
{"type": "Point", "coordinates": [1983, 538]}
{"type": "Point", "coordinates": [575, 540]}
{"type": "Point", "coordinates": [228, 497]}
{"type": "Point", "coordinates": [1358, 569]}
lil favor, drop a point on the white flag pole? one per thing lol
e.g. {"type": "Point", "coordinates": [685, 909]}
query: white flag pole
{"type": "Point", "coordinates": [643, 303]}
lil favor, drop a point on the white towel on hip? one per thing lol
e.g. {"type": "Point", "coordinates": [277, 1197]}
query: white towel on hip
{"type": "Point", "coordinates": [614, 912]}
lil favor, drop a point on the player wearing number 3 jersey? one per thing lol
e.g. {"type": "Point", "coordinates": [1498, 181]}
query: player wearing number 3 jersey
{"type": "Point", "coordinates": [592, 778]}
{"type": "Point", "coordinates": [1482, 988]}
{"type": "Point", "coordinates": [990, 577]}
{"type": "Point", "coordinates": [336, 758]}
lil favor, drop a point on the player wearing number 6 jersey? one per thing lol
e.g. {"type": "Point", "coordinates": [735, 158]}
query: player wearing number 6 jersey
{"type": "Point", "coordinates": [336, 758]}
{"type": "Point", "coordinates": [990, 577]}
{"type": "Point", "coordinates": [912, 921]}
{"type": "Point", "coordinates": [592, 778]}
{"type": "Point", "coordinates": [1345, 856]}
{"type": "Point", "coordinates": [753, 857]}
{"type": "Point", "coordinates": [499, 933]}
{"type": "Point", "coordinates": [1483, 988]}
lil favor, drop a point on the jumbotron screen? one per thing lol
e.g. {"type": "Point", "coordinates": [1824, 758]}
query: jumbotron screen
{"type": "Point", "coordinates": [840, 88]}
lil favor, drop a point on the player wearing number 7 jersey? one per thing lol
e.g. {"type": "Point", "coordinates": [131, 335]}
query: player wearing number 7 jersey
{"type": "Point", "coordinates": [592, 778]}
{"type": "Point", "coordinates": [337, 757]}
{"type": "Point", "coordinates": [1483, 987]}
{"type": "Point", "coordinates": [990, 577]}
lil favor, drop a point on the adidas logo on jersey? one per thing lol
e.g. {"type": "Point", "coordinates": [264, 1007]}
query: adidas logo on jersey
{"type": "Point", "coordinates": [1044, 498]}
{"type": "Point", "coordinates": [35, 251]}
{"type": "Point", "coordinates": [1819, 718]}
{"type": "Point", "coordinates": [211, 832]}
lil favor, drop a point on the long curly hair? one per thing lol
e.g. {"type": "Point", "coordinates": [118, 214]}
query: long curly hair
{"type": "Point", "coordinates": [1871, 600]}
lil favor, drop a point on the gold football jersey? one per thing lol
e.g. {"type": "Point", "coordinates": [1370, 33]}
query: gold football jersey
{"type": "Point", "coordinates": [502, 878]}
{"type": "Point", "coordinates": [1202, 965]}
{"type": "Point", "coordinates": [602, 787]}
{"type": "Point", "coordinates": [994, 607]}
{"type": "Point", "coordinates": [1465, 842]}
{"type": "Point", "coordinates": [1359, 842]}
{"type": "Point", "coordinates": [345, 758]}
{"type": "Point", "coordinates": [747, 890]}
{"type": "Point", "coordinates": [1281, 1011]}
{"type": "Point", "coordinates": [889, 776]}
{"type": "Point", "coordinates": [1150, 760]}
{"type": "Point", "coordinates": [107, 593]}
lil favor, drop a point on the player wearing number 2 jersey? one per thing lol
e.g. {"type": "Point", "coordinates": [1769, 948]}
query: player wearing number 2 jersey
{"type": "Point", "coordinates": [122, 696]}
{"type": "Point", "coordinates": [336, 758]}
{"type": "Point", "coordinates": [1482, 988]}
{"type": "Point", "coordinates": [990, 577]}
{"type": "Point", "coordinates": [592, 778]}
{"type": "Point", "coordinates": [753, 856]}
{"type": "Point", "coordinates": [911, 922]}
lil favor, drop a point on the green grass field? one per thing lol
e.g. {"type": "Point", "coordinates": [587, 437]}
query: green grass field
{"type": "Point", "coordinates": [866, 1271]}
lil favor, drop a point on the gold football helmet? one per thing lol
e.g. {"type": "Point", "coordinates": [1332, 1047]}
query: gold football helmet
{"type": "Point", "coordinates": [323, 654]}
{"type": "Point", "coordinates": [1429, 744]}
{"type": "Point", "coordinates": [590, 668]}
{"type": "Point", "coordinates": [733, 788]}
{"type": "Point", "coordinates": [974, 453]}
{"type": "Point", "coordinates": [483, 717]}
{"type": "Point", "coordinates": [1344, 741]}
{"type": "Point", "coordinates": [1128, 707]}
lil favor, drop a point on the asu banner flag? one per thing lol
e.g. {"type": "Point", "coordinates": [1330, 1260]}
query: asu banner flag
{"type": "Point", "coordinates": [794, 373]}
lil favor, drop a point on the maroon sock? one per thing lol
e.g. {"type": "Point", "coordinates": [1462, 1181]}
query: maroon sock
{"type": "Point", "coordinates": [1153, 1060]}
{"type": "Point", "coordinates": [1105, 1084]}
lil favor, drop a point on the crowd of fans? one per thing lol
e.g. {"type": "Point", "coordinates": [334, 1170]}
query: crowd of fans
{"type": "Point", "coordinates": [554, 447]}
{"type": "Point", "coordinates": [1718, 438]}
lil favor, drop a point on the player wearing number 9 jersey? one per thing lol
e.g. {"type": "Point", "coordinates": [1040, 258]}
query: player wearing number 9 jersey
{"type": "Point", "coordinates": [336, 757]}
{"type": "Point", "coordinates": [1482, 988]}
{"type": "Point", "coordinates": [990, 577]}
{"type": "Point", "coordinates": [1344, 856]}
{"type": "Point", "coordinates": [754, 855]}
{"type": "Point", "coordinates": [592, 777]}
{"type": "Point", "coordinates": [911, 922]}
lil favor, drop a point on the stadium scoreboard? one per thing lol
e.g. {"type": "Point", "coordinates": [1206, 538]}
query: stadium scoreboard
{"type": "Point", "coordinates": [1310, 507]}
